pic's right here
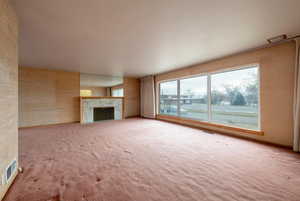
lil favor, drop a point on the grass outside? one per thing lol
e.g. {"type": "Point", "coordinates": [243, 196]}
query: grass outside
{"type": "Point", "coordinates": [238, 116]}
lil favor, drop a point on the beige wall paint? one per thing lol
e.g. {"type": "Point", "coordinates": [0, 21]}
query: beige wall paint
{"type": "Point", "coordinates": [8, 89]}
{"type": "Point", "coordinates": [131, 97]}
{"type": "Point", "coordinates": [96, 91]}
{"type": "Point", "coordinates": [48, 97]}
{"type": "Point", "coordinates": [276, 81]}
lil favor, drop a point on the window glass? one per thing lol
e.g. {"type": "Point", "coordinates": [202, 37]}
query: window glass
{"type": "Point", "coordinates": [118, 92]}
{"type": "Point", "coordinates": [168, 98]}
{"type": "Point", "coordinates": [193, 98]}
{"type": "Point", "coordinates": [234, 98]}
{"type": "Point", "coordinates": [85, 92]}
{"type": "Point", "coordinates": [228, 98]}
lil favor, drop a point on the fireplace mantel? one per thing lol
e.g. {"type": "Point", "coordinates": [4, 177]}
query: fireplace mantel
{"type": "Point", "coordinates": [87, 103]}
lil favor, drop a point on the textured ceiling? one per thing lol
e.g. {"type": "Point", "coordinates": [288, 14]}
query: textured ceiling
{"type": "Point", "coordinates": [141, 37]}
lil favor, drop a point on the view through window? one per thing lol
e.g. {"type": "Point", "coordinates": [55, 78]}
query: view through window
{"type": "Point", "coordinates": [118, 92]}
{"type": "Point", "coordinates": [168, 98]}
{"type": "Point", "coordinates": [229, 98]}
{"type": "Point", "coordinates": [234, 98]}
{"type": "Point", "coordinates": [193, 98]}
{"type": "Point", "coordinates": [85, 92]}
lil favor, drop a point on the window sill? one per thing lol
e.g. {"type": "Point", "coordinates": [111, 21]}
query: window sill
{"type": "Point", "coordinates": [207, 124]}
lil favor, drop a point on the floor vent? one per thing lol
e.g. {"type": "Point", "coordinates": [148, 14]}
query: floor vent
{"type": "Point", "coordinates": [10, 171]}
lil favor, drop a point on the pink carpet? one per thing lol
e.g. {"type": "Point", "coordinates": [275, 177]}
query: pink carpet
{"type": "Point", "coordinates": [148, 160]}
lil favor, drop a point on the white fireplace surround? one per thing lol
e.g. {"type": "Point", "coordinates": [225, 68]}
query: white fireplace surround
{"type": "Point", "coordinates": [88, 104]}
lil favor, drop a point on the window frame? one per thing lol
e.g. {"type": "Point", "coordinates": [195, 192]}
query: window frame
{"type": "Point", "coordinates": [178, 107]}
{"type": "Point", "coordinates": [85, 91]}
{"type": "Point", "coordinates": [207, 93]}
{"type": "Point", "coordinates": [117, 89]}
{"type": "Point", "coordinates": [209, 74]}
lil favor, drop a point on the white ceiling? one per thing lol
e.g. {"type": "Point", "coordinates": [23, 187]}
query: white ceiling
{"type": "Point", "coordinates": [141, 37]}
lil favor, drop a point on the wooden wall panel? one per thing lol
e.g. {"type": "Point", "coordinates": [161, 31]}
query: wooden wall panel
{"type": "Point", "coordinates": [276, 82]}
{"type": "Point", "coordinates": [132, 97]}
{"type": "Point", "coordinates": [48, 97]}
{"type": "Point", "coordinates": [8, 89]}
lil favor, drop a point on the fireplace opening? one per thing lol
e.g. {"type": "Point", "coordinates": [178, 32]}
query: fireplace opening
{"type": "Point", "coordinates": [104, 113]}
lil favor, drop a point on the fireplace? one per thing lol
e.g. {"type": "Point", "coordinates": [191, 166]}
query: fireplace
{"type": "Point", "coordinates": [93, 109]}
{"type": "Point", "coordinates": [104, 113]}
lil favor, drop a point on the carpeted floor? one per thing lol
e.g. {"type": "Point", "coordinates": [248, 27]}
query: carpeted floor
{"type": "Point", "coordinates": [143, 160]}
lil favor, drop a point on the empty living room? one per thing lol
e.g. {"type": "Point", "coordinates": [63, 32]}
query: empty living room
{"type": "Point", "coordinates": [138, 100]}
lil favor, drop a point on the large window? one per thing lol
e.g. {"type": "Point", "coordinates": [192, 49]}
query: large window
{"type": "Point", "coordinates": [118, 92]}
{"type": "Point", "coordinates": [229, 98]}
{"type": "Point", "coordinates": [193, 98]}
{"type": "Point", "coordinates": [234, 98]}
{"type": "Point", "coordinates": [85, 92]}
{"type": "Point", "coordinates": [168, 98]}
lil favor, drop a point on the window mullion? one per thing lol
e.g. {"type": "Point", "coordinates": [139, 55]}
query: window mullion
{"type": "Point", "coordinates": [178, 97]}
{"type": "Point", "coordinates": [158, 97]}
{"type": "Point", "coordinates": [209, 96]}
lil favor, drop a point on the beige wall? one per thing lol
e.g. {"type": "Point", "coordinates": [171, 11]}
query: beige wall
{"type": "Point", "coordinates": [8, 89]}
{"type": "Point", "coordinates": [48, 97]}
{"type": "Point", "coordinates": [132, 97]}
{"type": "Point", "coordinates": [276, 81]}
{"type": "Point", "coordinates": [96, 91]}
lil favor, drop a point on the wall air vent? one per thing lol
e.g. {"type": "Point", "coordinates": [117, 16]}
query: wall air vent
{"type": "Point", "coordinates": [10, 170]}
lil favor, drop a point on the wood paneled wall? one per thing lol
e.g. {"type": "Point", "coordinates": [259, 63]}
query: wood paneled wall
{"type": "Point", "coordinates": [132, 97]}
{"type": "Point", "coordinates": [52, 97]}
{"type": "Point", "coordinates": [276, 87]}
{"type": "Point", "coordinates": [48, 97]}
{"type": "Point", "coordinates": [8, 90]}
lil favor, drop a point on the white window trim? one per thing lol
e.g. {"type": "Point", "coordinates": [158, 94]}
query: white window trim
{"type": "Point", "coordinates": [209, 74]}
